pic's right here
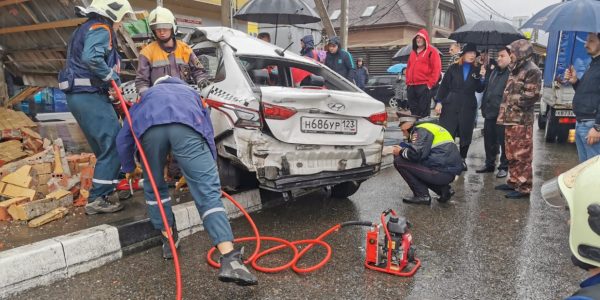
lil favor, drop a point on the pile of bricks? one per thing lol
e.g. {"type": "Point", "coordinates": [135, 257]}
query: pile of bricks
{"type": "Point", "coordinates": [38, 181]}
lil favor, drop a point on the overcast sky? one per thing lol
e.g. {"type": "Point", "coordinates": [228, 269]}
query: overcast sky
{"type": "Point", "coordinates": [474, 9]}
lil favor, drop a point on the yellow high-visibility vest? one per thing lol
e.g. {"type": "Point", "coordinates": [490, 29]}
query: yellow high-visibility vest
{"type": "Point", "coordinates": [440, 134]}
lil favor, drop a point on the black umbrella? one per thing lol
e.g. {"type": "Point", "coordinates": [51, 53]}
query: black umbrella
{"type": "Point", "coordinates": [277, 12]}
{"type": "Point", "coordinates": [487, 33]}
{"type": "Point", "coordinates": [404, 52]}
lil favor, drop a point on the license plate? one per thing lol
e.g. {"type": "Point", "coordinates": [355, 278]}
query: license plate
{"type": "Point", "coordinates": [328, 125]}
{"type": "Point", "coordinates": [564, 113]}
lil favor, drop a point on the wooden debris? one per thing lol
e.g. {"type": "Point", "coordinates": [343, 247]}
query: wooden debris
{"type": "Point", "coordinates": [10, 119]}
{"type": "Point", "coordinates": [30, 210]}
{"type": "Point", "coordinates": [28, 132]}
{"type": "Point", "coordinates": [4, 205]}
{"type": "Point", "coordinates": [20, 177]}
{"type": "Point", "coordinates": [42, 168]}
{"type": "Point", "coordinates": [48, 217]}
{"type": "Point", "coordinates": [58, 167]}
{"type": "Point", "coordinates": [13, 191]}
{"type": "Point", "coordinates": [11, 151]}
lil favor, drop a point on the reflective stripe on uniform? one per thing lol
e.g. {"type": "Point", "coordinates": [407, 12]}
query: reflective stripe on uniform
{"type": "Point", "coordinates": [82, 82]}
{"type": "Point", "coordinates": [63, 85]}
{"type": "Point", "coordinates": [102, 181]}
{"type": "Point", "coordinates": [163, 201]}
{"type": "Point", "coordinates": [109, 76]}
{"type": "Point", "coordinates": [441, 136]}
{"type": "Point", "coordinates": [212, 211]}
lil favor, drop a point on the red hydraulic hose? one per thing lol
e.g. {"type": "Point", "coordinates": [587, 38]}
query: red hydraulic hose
{"type": "Point", "coordinates": [256, 255]}
{"type": "Point", "coordinates": [163, 215]}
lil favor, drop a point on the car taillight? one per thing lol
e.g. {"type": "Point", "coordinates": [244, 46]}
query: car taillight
{"type": "Point", "coordinates": [276, 112]}
{"type": "Point", "coordinates": [245, 117]}
{"type": "Point", "coordinates": [567, 121]}
{"type": "Point", "coordinates": [379, 118]}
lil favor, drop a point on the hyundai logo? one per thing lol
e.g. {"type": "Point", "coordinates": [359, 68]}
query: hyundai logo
{"type": "Point", "coordinates": [336, 106]}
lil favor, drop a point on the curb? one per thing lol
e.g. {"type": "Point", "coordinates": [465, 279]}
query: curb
{"type": "Point", "coordinates": [48, 261]}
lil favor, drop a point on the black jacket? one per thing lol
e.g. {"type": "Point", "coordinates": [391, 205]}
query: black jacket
{"type": "Point", "coordinates": [586, 102]}
{"type": "Point", "coordinates": [341, 62]}
{"type": "Point", "coordinates": [443, 158]}
{"type": "Point", "coordinates": [492, 96]}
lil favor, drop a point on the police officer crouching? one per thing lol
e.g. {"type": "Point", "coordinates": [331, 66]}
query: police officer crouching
{"type": "Point", "coordinates": [430, 160]}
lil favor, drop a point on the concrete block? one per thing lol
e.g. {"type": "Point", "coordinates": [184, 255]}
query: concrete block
{"type": "Point", "coordinates": [90, 248]}
{"type": "Point", "coordinates": [182, 221]}
{"type": "Point", "coordinates": [30, 266]}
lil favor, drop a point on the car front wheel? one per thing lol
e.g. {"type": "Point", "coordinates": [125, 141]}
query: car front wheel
{"type": "Point", "coordinates": [393, 103]}
{"type": "Point", "coordinates": [344, 189]}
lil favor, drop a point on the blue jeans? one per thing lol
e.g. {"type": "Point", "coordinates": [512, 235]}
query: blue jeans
{"type": "Point", "coordinates": [585, 151]}
{"type": "Point", "coordinates": [99, 123]}
{"type": "Point", "coordinates": [200, 171]}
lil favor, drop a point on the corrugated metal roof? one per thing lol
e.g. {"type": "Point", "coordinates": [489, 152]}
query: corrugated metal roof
{"type": "Point", "coordinates": [37, 53]}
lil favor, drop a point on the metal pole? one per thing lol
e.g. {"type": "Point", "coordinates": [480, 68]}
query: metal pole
{"type": "Point", "coordinates": [344, 24]}
{"type": "Point", "coordinates": [159, 3]}
{"type": "Point", "coordinates": [431, 10]}
{"type": "Point", "coordinates": [225, 13]}
{"type": "Point", "coordinates": [325, 18]}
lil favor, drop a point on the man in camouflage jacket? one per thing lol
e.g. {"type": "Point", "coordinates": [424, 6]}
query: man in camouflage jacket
{"type": "Point", "coordinates": [516, 114]}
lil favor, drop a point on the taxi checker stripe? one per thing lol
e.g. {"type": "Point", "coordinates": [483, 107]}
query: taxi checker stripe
{"type": "Point", "coordinates": [149, 202]}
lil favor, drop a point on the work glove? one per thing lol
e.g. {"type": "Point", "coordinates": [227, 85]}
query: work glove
{"type": "Point", "coordinates": [135, 174]}
{"type": "Point", "coordinates": [203, 83]}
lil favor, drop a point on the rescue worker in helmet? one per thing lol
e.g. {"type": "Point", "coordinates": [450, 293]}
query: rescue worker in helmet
{"type": "Point", "coordinates": [430, 161]}
{"type": "Point", "coordinates": [167, 55]}
{"type": "Point", "coordinates": [575, 190]}
{"type": "Point", "coordinates": [92, 63]}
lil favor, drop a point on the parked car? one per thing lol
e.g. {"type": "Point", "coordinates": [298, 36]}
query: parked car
{"type": "Point", "coordinates": [381, 87]}
{"type": "Point", "coordinates": [288, 121]}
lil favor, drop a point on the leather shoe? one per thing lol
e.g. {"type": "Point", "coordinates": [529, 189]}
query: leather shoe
{"type": "Point", "coordinates": [425, 200]}
{"type": "Point", "coordinates": [465, 166]}
{"type": "Point", "coordinates": [516, 195]}
{"type": "Point", "coordinates": [501, 174]}
{"type": "Point", "coordinates": [504, 187]}
{"type": "Point", "coordinates": [485, 170]}
{"type": "Point", "coordinates": [447, 193]}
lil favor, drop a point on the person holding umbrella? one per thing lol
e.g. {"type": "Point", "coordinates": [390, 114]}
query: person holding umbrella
{"type": "Point", "coordinates": [517, 115]}
{"type": "Point", "coordinates": [455, 100]}
{"type": "Point", "coordinates": [586, 102]}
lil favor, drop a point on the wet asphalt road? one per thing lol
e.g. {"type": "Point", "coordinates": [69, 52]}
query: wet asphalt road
{"type": "Point", "coordinates": [478, 246]}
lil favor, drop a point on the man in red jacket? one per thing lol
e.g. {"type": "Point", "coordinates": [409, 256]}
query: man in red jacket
{"type": "Point", "coordinates": [422, 74]}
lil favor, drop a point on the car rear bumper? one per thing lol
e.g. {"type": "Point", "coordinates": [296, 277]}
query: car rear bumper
{"type": "Point", "coordinates": [288, 183]}
{"type": "Point", "coordinates": [282, 166]}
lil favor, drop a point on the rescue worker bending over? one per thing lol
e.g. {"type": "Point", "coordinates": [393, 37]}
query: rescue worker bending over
{"type": "Point", "coordinates": [167, 56]}
{"type": "Point", "coordinates": [171, 117]}
{"type": "Point", "coordinates": [92, 62]}
{"type": "Point", "coordinates": [430, 161]}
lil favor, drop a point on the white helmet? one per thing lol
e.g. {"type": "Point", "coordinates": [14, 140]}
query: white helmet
{"type": "Point", "coordinates": [112, 9]}
{"type": "Point", "coordinates": [163, 18]}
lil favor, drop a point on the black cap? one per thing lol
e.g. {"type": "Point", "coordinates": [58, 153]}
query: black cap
{"type": "Point", "coordinates": [468, 48]}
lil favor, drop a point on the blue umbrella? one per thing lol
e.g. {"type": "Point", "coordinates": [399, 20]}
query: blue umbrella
{"type": "Point", "coordinates": [575, 15]}
{"type": "Point", "coordinates": [396, 69]}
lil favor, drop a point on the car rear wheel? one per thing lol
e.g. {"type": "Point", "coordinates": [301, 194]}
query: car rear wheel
{"type": "Point", "coordinates": [345, 189]}
{"type": "Point", "coordinates": [393, 103]}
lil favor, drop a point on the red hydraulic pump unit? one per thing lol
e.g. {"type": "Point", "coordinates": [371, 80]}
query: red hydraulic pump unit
{"type": "Point", "coordinates": [389, 246]}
